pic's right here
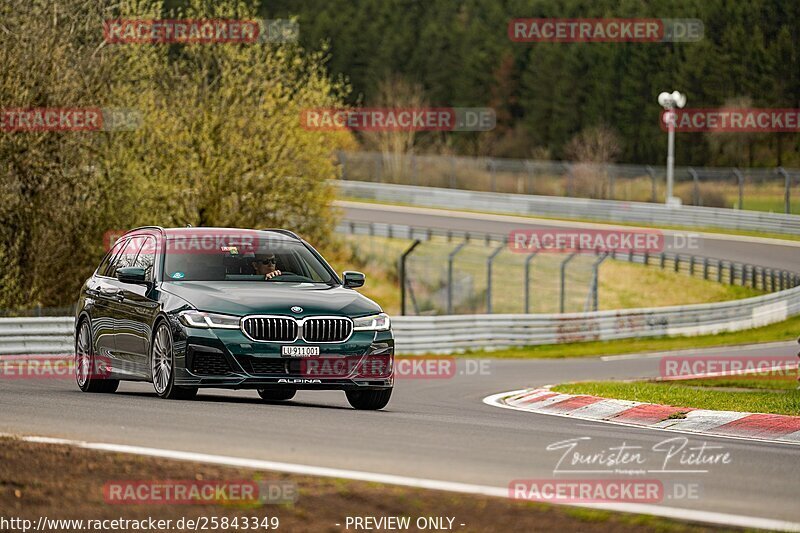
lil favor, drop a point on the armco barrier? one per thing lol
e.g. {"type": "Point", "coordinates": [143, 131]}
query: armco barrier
{"type": "Point", "coordinates": [445, 334]}
{"type": "Point", "coordinates": [39, 335]}
{"type": "Point", "coordinates": [576, 208]}
{"type": "Point", "coordinates": [452, 333]}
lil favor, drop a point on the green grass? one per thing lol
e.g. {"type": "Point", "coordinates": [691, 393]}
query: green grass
{"type": "Point", "coordinates": [782, 400]}
{"type": "Point", "coordinates": [780, 331]}
{"type": "Point", "coordinates": [767, 382]}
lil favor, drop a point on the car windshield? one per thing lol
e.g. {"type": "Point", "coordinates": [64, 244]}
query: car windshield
{"type": "Point", "coordinates": [254, 256]}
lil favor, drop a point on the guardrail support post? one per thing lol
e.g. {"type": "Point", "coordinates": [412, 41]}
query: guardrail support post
{"type": "Point", "coordinates": [731, 274]}
{"type": "Point", "coordinates": [402, 274]}
{"type": "Point", "coordinates": [450, 259]}
{"type": "Point", "coordinates": [691, 265]}
{"type": "Point", "coordinates": [527, 280]}
{"type": "Point", "coordinates": [489, 262]}
{"type": "Point", "coordinates": [705, 268]}
{"type": "Point", "coordinates": [563, 280]}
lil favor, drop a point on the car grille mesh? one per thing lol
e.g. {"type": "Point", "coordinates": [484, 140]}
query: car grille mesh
{"type": "Point", "coordinates": [327, 329]}
{"type": "Point", "coordinates": [268, 366]}
{"type": "Point", "coordinates": [209, 364]}
{"type": "Point", "coordinates": [271, 329]}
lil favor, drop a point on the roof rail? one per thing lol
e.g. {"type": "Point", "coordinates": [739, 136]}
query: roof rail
{"type": "Point", "coordinates": [284, 232]}
{"type": "Point", "coordinates": [159, 228]}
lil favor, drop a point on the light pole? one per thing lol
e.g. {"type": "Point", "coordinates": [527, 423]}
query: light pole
{"type": "Point", "coordinates": [669, 101]}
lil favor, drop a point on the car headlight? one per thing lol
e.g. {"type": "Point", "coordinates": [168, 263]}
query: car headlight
{"type": "Point", "coordinates": [200, 319]}
{"type": "Point", "coordinates": [378, 322]}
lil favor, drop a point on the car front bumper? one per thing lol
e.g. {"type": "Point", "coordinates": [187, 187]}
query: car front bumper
{"type": "Point", "coordinates": [226, 358]}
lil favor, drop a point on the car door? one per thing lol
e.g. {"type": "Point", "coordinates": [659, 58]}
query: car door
{"type": "Point", "coordinates": [138, 310]}
{"type": "Point", "coordinates": [100, 295]}
{"type": "Point", "coordinates": [129, 326]}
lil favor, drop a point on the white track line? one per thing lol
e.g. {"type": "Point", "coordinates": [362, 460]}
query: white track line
{"type": "Point", "coordinates": [692, 515]}
{"type": "Point", "coordinates": [710, 350]}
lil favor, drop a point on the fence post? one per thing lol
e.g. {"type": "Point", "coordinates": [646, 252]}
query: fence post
{"type": "Point", "coordinates": [787, 180]}
{"type": "Point", "coordinates": [740, 180]}
{"type": "Point", "coordinates": [489, 277]}
{"type": "Point", "coordinates": [570, 180]}
{"type": "Point", "coordinates": [450, 259]}
{"type": "Point", "coordinates": [379, 166]}
{"type": "Point", "coordinates": [402, 269]}
{"type": "Point", "coordinates": [654, 192]}
{"type": "Point", "coordinates": [413, 168]}
{"type": "Point", "coordinates": [696, 187]}
{"type": "Point", "coordinates": [595, 279]}
{"type": "Point", "coordinates": [610, 184]}
{"type": "Point", "coordinates": [493, 175]}
{"type": "Point", "coordinates": [343, 162]}
{"type": "Point", "coordinates": [452, 172]}
{"type": "Point", "coordinates": [527, 280]}
{"type": "Point", "coordinates": [563, 279]}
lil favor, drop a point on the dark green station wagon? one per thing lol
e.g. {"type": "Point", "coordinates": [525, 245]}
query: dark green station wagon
{"type": "Point", "coordinates": [186, 308]}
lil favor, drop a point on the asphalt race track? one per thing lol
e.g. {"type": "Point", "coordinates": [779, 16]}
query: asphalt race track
{"type": "Point", "coordinates": [765, 252]}
{"type": "Point", "coordinates": [433, 428]}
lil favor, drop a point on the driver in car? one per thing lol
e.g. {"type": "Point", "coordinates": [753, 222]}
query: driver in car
{"type": "Point", "coordinates": [266, 266]}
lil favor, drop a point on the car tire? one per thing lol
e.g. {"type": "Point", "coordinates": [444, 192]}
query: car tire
{"type": "Point", "coordinates": [276, 395]}
{"type": "Point", "coordinates": [162, 367]}
{"type": "Point", "coordinates": [85, 361]}
{"type": "Point", "coordinates": [369, 400]}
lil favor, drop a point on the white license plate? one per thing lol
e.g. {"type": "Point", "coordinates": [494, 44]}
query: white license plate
{"type": "Point", "coordinates": [300, 351]}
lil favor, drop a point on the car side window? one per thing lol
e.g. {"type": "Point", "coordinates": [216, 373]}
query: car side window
{"type": "Point", "coordinates": [104, 264]}
{"type": "Point", "coordinates": [127, 257]}
{"type": "Point", "coordinates": [146, 257]}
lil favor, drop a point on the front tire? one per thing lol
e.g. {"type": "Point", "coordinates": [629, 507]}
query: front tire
{"type": "Point", "coordinates": [368, 400]}
{"type": "Point", "coordinates": [162, 367]}
{"type": "Point", "coordinates": [276, 395]}
{"type": "Point", "coordinates": [86, 367]}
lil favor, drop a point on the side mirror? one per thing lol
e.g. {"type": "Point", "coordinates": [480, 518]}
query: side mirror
{"type": "Point", "coordinates": [131, 275]}
{"type": "Point", "coordinates": [353, 279]}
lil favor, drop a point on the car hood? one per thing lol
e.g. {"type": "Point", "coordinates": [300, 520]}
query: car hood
{"type": "Point", "coordinates": [249, 297]}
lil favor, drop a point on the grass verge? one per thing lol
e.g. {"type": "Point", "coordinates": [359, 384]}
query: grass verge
{"type": "Point", "coordinates": [61, 482]}
{"type": "Point", "coordinates": [774, 395]}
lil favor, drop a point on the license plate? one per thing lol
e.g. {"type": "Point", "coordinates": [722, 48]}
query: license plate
{"type": "Point", "coordinates": [299, 351]}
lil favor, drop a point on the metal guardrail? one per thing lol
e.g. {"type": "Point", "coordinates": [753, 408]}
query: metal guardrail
{"type": "Point", "coordinates": [36, 335]}
{"type": "Point", "coordinates": [452, 333]}
{"type": "Point", "coordinates": [573, 208]}
{"type": "Point", "coordinates": [698, 186]}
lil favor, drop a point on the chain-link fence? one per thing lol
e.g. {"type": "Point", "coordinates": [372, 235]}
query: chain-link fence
{"type": "Point", "coordinates": [441, 272]}
{"type": "Point", "coordinates": [765, 189]}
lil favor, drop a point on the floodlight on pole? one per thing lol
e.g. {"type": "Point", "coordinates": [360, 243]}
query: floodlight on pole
{"type": "Point", "coordinates": [669, 101]}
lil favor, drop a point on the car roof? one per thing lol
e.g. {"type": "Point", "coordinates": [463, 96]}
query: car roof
{"type": "Point", "coordinates": [275, 233]}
